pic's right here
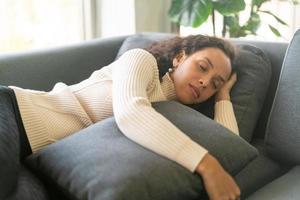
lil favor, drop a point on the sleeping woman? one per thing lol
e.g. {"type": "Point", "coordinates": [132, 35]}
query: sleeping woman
{"type": "Point", "coordinates": [199, 67]}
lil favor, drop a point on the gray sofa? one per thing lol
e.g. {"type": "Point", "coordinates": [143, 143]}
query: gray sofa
{"type": "Point", "coordinates": [265, 177]}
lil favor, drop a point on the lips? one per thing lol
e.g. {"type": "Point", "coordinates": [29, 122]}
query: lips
{"type": "Point", "coordinates": [195, 91]}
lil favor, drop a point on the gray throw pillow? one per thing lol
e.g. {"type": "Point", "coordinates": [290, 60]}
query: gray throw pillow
{"type": "Point", "coordinates": [283, 130]}
{"type": "Point", "coordinates": [254, 73]}
{"type": "Point", "coordinates": [99, 162]}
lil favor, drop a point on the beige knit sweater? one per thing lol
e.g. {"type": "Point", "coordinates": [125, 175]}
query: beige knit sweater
{"type": "Point", "coordinates": [125, 89]}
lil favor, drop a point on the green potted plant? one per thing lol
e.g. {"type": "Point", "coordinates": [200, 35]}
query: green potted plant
{"type": "Point", "coordinates": [194, 13]}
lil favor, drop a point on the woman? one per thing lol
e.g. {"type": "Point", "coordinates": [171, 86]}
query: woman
{"type": "Point", "coordinates": [200, 66]}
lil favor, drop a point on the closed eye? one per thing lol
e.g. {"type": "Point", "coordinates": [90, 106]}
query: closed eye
{"type": "Point", "coordinates": [203, 68]}
{"type": "Point", "coordinates": [203, 65]}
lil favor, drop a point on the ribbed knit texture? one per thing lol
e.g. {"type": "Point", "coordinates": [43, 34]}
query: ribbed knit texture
{"type": "Point", "coordinates": [125, 89]}
{"type": "Point", "coordinates": [224, 114]}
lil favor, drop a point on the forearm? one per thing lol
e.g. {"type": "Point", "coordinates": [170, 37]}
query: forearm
{"type": "Point", "coordinates": [156, 133]}
{"type": "Point", "coordinates": [224, 113]}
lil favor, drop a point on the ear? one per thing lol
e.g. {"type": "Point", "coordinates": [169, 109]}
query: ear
{"type": "Point", "coordinates": [179, 58]}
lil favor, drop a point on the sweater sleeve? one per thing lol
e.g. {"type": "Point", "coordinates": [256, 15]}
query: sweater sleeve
{"type": "Point", "coordinates": [224, 114]}
{"type": "Point", "coordinates": [135, 73]}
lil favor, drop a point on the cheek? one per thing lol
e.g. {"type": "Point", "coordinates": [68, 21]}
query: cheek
{"type": "Point", "coordinates": [207, 94]}
{"type": "Point", "coordinates": [180, 79]}
{"type": "Point", "coordinates": [183, 94]}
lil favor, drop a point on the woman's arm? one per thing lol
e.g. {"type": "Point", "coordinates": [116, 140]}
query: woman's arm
{"type": "Point", "coordinates": [141, 123]}
{"type": "Point", "coordinates": [135, 73]}
{"type": "Point", "coordinates": [224, 113]}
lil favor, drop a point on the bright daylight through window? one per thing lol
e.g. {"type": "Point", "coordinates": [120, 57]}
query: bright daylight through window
{"type": "Point", "coordinates": [31, 24]}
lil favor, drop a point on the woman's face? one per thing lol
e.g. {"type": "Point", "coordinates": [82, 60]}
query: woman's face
{"type": "Point", "coordinates": [199, 76]}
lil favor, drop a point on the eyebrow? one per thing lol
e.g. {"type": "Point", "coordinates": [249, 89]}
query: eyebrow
{"type": "Point", "coordinates": [212, 66]}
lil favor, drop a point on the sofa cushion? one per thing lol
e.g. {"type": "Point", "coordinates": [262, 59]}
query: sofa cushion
{"type": "Point", "coordinates": [259, 172]}
{"type": "Point", "coordinates": [28, 187]}
{"type": "Point", "coordinates": [254, 73]}
{"type": "Point", "coordinates": [9, 143]}
{"type": "Point", "coordinates": [16, 182]}
{"type": "Point", "coordinates": [285, 187]}
{"type": "Point", "coordinates": [282, 137]}
{"type": "Point", "coordinates": [99, 162]}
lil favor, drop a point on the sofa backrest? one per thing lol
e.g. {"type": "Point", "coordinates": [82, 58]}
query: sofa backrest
{"type": "Point", "coordinates": [41, 69]}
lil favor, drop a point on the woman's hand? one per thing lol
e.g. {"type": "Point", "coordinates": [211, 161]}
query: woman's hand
{"type": "Point", "coordinates": [218, 183]}
{"type": "Point", "coordinates": [224, 92]}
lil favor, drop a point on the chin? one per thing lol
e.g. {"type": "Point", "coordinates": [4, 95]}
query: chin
{"type": "Point", "coordinates": [186, 100]}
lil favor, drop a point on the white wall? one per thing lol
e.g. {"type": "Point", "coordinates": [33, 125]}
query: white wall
{"type": "Point", "coordinates": [123, 17]}
{"type": "Point", "coordinates": [152, 16]}
{"type": "Point", "coordinates": [117, 17]}
{"type": "Point", "coordinates": [296, 13]}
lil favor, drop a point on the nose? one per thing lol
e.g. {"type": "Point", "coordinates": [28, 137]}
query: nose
{"type": "Point", "coordinates": [203, 83]}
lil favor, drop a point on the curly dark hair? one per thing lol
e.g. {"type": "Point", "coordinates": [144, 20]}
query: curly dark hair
{"type": "Point", "coordinates": [165, 51]}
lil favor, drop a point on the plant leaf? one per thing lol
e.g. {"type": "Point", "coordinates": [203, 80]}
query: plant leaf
{"type": "Point", "coordinates": [275, 31]}
{"type": "Point", "coordinates": [226, 7]}
{"type": "Point", "coordinates": [232, 22]}
{"type": "Point", "coordinates": [253, 23]}
{"type": "Point", "coordinates": [190, 12]}
{"type": "Point", "coordinates": [277, 18]}
{"type": "Point", "coordinates": [258, 3]}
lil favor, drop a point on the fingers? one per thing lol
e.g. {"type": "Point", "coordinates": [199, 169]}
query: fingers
{"type": "Point", "coordinates": [234, 192]}
{"type": "Point", "coordinates": [218, 183]}
{"type": "Point", "coordinates": [233, 78]}
{"type": "Point", "coordinates": [229, 84]}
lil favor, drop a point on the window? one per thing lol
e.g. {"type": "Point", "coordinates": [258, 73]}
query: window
{"type": "Point", "coordinates": [30, 24]}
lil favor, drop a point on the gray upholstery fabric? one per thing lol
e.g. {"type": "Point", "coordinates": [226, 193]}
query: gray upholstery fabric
{"type": "Point", "coordinates": [259, 172]}
{"type": "Point", "coordinates": [28, 187]}
{"type": "Point", "coordinates": [16, 182]}
{"type": "Point", "coordinates": [41, 69]}
{"type": "Point", "coordinates": [248, 94]}
{"type": "Point", "coordinates": [10, 146]}
{"type": "Point", "coordinates": [99, 162]}
{"type": "Point", "coordinates": [275, 52]}
{"type": "Point", "coordinates": [285, 187]}
{"type": "Point", "coordinates": [283, 138]}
